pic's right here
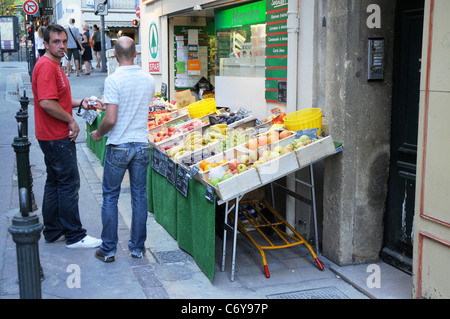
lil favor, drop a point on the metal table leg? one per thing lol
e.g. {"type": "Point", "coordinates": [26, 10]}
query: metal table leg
{"type": "Point", "coordinates": [313, 193]}
{"type": "Point", "coordinates": [235, 228]}
{"type": "Point", "coordinates": [224, 244]}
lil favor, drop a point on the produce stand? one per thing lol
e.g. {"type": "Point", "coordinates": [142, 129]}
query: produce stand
{"type": "Point", "coordinates": [184, 201]}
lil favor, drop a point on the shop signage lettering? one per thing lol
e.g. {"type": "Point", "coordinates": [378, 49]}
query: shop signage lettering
{"type": "Point", "coordinates": [243, 15]}
{"type": "Point", "coordinates": [278, 3]}
{"type": "Point", "coordinates": [276, 51]}
{"type": "Point", "coordinates": [246, 17]}
{"type": "Point", "coordinates": [154, 65]}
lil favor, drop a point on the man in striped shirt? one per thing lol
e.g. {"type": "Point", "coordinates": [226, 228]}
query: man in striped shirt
{"type": "Point", "coordinates": [127, 96]}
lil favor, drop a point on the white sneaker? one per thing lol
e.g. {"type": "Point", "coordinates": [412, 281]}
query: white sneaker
{"type": "Point", "coordinates": [86, 242]}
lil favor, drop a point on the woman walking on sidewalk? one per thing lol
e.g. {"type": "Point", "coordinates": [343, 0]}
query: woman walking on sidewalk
{"type": "Point", "coordinates": [87, 55]}
{"type": "Point", "coordinates": [97, 45]}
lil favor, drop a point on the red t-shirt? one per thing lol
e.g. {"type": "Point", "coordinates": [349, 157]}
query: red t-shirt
{"type": "Point", "coordinates": [49, 82]}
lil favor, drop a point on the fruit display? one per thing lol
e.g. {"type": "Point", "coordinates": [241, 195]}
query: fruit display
{"type": "Point", "coordinates": [304, 140]}
{"type": "Point", "coordinates": [193, 158]}
{"type": "Point", "coordinates": [193, 141]}
{"type": "Point", "coordinates": [191, 125]}
{"type": "Point", "coordinates": [214, 133]}
{"type": "Point", "coordinates": [159, 102]}
{"type": "Point", "coordinates": [226, 118]}
{"type": "Point", "coordinates": [233, 138]}
{"type": "Point", "coordinates": [264, 139]}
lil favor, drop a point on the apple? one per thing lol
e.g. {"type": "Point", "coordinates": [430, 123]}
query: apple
{"type": "Point", "coordinates": [233, 164]}
{"type": "Point", "coordinates": [244, 159]}
{"type": "Point", "coordinates": [225, 177]}
{"type": "Point", "coordinates": [263, 159]}
{"type": "Point", "coordinates": [241, 168]}
{"type": "Point", "coordinates": [253, 156]}
{"type": "Point", "coordinates": [287, 149]}
{"type": "Point", "coordinates": [273, 155]}
{"type": "Point", "coordinates": [214, 181]}
{"type": "Point", "coordinates": [304, 138]}
{"type": "Point", "coordinates": [261, 151]}
{"type": "Point", "coordinates": [278, 149]}
{"type": "Point", "coordinates": [266, 153]}
{"type": "Point", "coordinates": [257, 163]}
{"type": "Point", "coordinates": [234, 172]}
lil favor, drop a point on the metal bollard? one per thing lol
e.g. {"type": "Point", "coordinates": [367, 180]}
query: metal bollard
{"type": "Point", "coordinates": [26, 231]}
{"type": "Point", "coordinates": [22, 148]}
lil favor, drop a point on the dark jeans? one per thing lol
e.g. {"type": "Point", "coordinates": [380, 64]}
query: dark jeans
{"type": "Point", "coordinates": [60, 205]}
{"type": "Point", "coordinates": [135, 158]}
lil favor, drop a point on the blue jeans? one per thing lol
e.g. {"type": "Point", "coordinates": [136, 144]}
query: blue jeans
{"type": "Point", "coordinates": [118, 158]}
{"type": "Point", "coordinates": [60, 204]}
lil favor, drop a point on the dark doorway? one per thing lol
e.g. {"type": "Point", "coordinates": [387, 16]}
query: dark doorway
{"type": "Point", "coordinates": [399, 217]}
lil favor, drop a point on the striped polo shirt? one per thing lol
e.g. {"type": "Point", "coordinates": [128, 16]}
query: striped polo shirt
{"type": "Point", "coordinates": [132, 90]}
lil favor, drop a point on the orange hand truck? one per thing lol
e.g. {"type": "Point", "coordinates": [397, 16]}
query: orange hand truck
{"type": "Point", "coordinates": [266, 221]}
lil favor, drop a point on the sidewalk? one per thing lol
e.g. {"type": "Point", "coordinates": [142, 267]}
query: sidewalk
{"type": "Point", "coordinates": [165, 271]}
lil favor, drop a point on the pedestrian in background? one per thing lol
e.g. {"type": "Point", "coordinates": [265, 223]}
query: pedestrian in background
{"type": "Point", "coordinates": [72, 48]}
{"type": "Point", "coordinates": [87, 55]}
{"type": "Point", "coordinates": [40, 41]}
{"type": "Point", "coordinates": [127, 94]}
{"type": "Point", "coordinates": [97, 45]}
{"type": "Point", "coordinates": [107, 41]}
{"type": "Point", "coordinates": [56, 131]}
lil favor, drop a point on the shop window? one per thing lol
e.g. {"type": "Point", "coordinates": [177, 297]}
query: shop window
{"type": "Point", "coordinates": [241, 51]}
{"type": "Point", "coordinates": [241, 40]}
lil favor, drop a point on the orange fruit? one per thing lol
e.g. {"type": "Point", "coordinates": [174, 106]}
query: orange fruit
{"type": "Point", "coordinates": [285, 134]}
{"type": "Point", "coordinates": [203, 163]}
{"type": "Point", "coordinates": [252, 144]}
{"type": "Point", "coordinates": [262, 140]}
{"type": "Point", "coordinates": [273, 136]}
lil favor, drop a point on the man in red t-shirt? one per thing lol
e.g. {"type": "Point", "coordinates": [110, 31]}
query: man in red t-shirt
{"type": "Point", "coordinates": [56, 131]}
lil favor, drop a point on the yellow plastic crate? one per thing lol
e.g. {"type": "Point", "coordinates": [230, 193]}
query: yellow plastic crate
{"type": "Point", "coordinates": [202, 108]}
{"type": "Point", "coordinates": [304, 119]}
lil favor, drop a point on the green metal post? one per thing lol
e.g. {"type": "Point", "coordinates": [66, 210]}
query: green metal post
{"type": "Point", "coordinates": [26, 231]}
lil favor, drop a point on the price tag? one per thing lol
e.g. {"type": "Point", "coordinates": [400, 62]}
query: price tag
{"type": "Point", "coordinates": [171, 172]}
{"type": "Point", "coordinates": [182, 181]}
{"type": "Point", "coordinates": [194, 170]}
{"type": "Point", "coordinates": [209, 193]}
{"type": "Point", "coordinates": [159, 161]}
{"type": "Point", "coordinates": [243, 112]}
{"type": "Point", "coordinates": [164, 90]}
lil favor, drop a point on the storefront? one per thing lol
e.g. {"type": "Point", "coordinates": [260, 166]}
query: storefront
{"type": "Point", "coordinates": [316, 55]}
{"type": "Point", "coordinates": [230, 42]}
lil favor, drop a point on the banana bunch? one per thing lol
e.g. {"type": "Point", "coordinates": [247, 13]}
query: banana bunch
{"type": "Point", "coordinates": [193, 141]}
{"type": "Point", "coordinates": [214, 133]}
{"type": "Point", "coordinates": [219, 128]}
{"type": "Point", "coordinates": [175, 150]}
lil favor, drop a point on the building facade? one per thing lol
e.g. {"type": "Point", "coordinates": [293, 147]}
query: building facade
{"type": "Point", "coordinates": [121, 14]}
{"type": "Point", "coordinates": [362, 63]}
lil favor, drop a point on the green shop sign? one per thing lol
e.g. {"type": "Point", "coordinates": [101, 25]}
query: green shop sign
{"type": "Point", "coordinates": [253, 13]}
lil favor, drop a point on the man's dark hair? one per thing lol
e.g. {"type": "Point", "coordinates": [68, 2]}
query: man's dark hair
{"type": "Point", "coordinates": [53, 28]}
